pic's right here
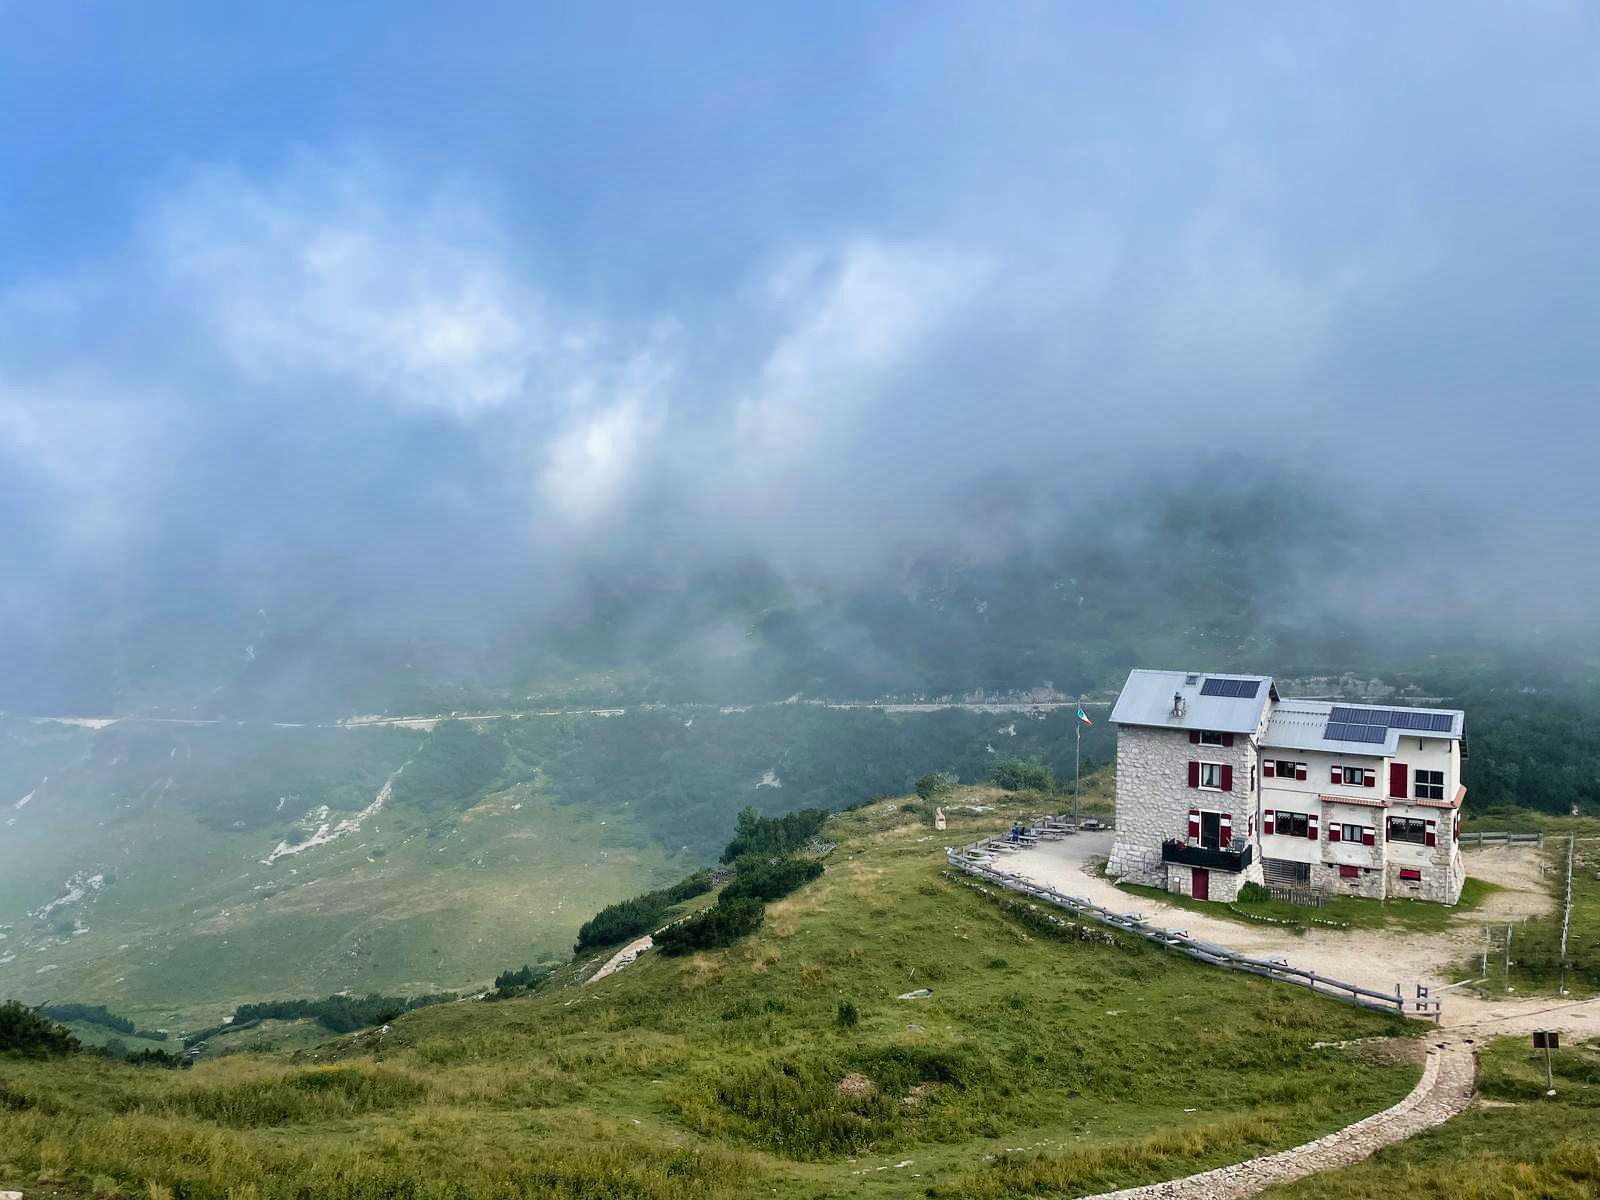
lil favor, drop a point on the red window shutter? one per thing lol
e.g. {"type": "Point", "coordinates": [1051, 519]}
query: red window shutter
{"type": "Point", "coordinates": [1397, 781]}
{"type": "Point", "coordinates": [1227, 778]}
{"type": "Point", "coordinates": [1410, 873]}
{"type": "Point", "coordinates": [1194, 824]}
{"type": "Point", "coordinates": [1431, 838]}
{"type": "Point", "coordinates": [1225, 831]}
{"type": "Point", "coordinates": [1333, 775]}
{"type": "Point", "coordinates": [1300, 771]}
{"type": "Point", "coordinates": [1369, 836]}
{"type": "Point", "coordinates": [1333, 833]}
{"type": "Point", "coordinates": [1458, 827]}
{"type": "Point", "coordinates": [1349, 872]}
{"type": "Point", "coordinates": [1194, 737]}
{"type": "Point", "coordinates": [1266, 821]}
{"type": "Point", "coordinates": [1194, 774]}
{"type": "Point", "coordinates": [1227, 739]}
{"type": "Point", "coordinates": [1311, 827]}
{"type": "Point", "coordinates": [1268, 769]}
{"type": "Point", "coordinates": [1369, 779]}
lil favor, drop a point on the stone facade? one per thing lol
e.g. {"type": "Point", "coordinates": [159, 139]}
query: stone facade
{"type": "Point", "coordinates": [1369, 884]}
{"type": "Point", "coordinates": [1154, 799]}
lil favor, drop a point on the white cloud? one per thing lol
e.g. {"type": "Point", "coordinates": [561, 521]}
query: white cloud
{"type": "Point", "coordinates": [92, 443]}
{"type": "Point", "coordinates": [855, 317]}
{"type": "Point", "coordinates": [320, 271]}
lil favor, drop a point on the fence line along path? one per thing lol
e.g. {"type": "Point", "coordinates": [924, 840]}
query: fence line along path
{"type": "Point", "coordinates": [1503, 839]}
{"type": "Point", "coordinates": [975, 859]}
{"type": "Point", "coordinates": [1445, 1089]}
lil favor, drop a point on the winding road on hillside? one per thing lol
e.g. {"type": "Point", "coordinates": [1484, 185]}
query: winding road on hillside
{"type": "Point", "coordinates": [429, 721]}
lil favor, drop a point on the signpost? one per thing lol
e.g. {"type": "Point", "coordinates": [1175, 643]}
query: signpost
{"type": "Point", "coordinates": [1547, 1040]}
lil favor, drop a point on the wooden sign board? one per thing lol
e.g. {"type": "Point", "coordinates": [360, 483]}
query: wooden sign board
{"type": "Point", "coordinates": [1547, 1040]}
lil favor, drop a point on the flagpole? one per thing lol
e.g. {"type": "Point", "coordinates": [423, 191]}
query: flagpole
{"type": "Point", "coordinates": [1077, 760]}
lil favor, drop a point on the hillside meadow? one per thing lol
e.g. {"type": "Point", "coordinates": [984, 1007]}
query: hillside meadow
{"type": "Point", "coordinates": [1047, 1057]}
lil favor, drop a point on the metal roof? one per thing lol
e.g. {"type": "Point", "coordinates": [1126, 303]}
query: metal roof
{"type": "Point", "coordinates": [1303, 724]}
{"type": "Point", "coordinates": [1146, 699]}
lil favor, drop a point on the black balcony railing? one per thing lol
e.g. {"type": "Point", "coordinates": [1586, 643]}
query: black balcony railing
{"type": "Point", "coordinates": [1192, 855]}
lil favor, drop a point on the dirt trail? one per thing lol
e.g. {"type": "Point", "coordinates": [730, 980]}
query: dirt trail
{"type": "Point", "coordinates": [1377, 959]}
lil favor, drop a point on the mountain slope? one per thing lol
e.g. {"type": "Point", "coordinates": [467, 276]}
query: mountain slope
{"type": "Point", "coordinates": [731, 1072]}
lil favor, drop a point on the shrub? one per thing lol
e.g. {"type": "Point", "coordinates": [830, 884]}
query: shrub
{"type": "Point", "coordinates": [25, 1032]}
{"type": "Point", "coordinates": [849, 1017]}
{"type": "Point", "coordinates": [1023, 775]}
{"type": "Point", "coordinates": [336, 1014]}
{"type": "Point", "coordinates": [508, 983]}
{"type": "Point", "coordinates": [98, 1014]}
{"type": "Point", "coordinates": [689, 887]}
{"type": "Point", "coordinates": [1254, 893]}
{"type": "Point", "coordinates": [755, 834]}
{"type": "Point", "coordinates": [931, 787]}
{"type": "Point", "coordinates": [771, 880]}
{"type": "Point", "coordinates": [637, 915]}
{"type": "Point", "coordinates": [720, 925]}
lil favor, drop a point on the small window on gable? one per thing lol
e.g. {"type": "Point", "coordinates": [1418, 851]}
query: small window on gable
{"type": "Point", "coordinates": [1209, 737]}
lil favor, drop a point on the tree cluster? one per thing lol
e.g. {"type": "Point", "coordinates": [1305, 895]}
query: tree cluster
{"type": "Point", "coordinates": [720, 925]}
{"type": "Point", "coordinates": [771, 879]}
{"type": "Point", "coordinates": [637, 915]}
{"type": "Point", "coordinates": [1023, 775]}
{"type": "Point", "coordinates": [755, 834]}
{"type": "Point", "coordinates": [24, 1031]}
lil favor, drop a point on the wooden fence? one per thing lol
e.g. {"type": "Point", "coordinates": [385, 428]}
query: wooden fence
{"type": "Point", "coordinates": [969, 860]}
{"type": "Point", "coordinates": [1502, 839]}
{"type": "Point", "coordinates": [1304, 896]}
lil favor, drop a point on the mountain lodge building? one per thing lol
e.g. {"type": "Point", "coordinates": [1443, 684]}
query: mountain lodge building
{"type": "Point", "coordinates": [1221, 782]}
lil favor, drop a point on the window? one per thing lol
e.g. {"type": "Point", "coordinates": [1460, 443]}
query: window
{"type": "Point", "coordinates": [1429, 785]}
{"type": "Point", "coordinates": [1408, 829]}
{"type": "Point", "coordinates": [1286, 770]}
{"type": "Point", "coordinates": [1210, 738]}
{"type": "Point", "coordinates": [1354, 776]}
{"type": "Point", "coordinates": [1211, 776]}
{"type": "Point", "coordinates": [1350, 833]}
{"type": "Point", "coordinates": [1347, 872]}
{"type": "Point", "coordinates": [1411, 874]}
{"type": "Point", "coordinates": [1293, 824]}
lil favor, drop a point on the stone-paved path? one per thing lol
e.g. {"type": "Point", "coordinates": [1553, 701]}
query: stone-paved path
{"type": "Point", "coordinates": [1445, 1089]}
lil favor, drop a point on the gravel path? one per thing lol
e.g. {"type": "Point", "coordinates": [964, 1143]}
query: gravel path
{"type": "Point", "coordinates": [1378, 959]}
{"type": "Point", "coordinates": [1445, 1089]}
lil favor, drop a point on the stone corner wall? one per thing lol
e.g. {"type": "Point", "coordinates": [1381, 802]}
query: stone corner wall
{"type": "Point", "coordinates": [1369, 885]}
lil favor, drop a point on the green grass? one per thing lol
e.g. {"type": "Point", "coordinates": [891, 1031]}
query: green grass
{"type": "Point", "coordinates": [1536, 961]}
{"type": "Point", "coordinates": [1538, 1147]}
{"type": "Point", "coordinates": [1340, 911]}
{"type": "Point", "coordinates": [719, 1074]}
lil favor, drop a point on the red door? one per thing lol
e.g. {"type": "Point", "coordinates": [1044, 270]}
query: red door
{"type": "Point", "coordinates": [1201, 890]}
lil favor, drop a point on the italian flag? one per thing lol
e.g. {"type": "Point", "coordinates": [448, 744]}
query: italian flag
{"type": "Point", "coordinates": [1084, 717]}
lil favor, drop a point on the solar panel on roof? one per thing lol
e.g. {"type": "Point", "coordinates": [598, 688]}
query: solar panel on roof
{"type": "Point", "coordinates": [1424, 721]}
{"type": "Point", "coordinates": [1354, 716]}
{"type": "Point", "coordinates": [1344, 732]}
{"type": "Point", "coordinates": [1235, 689]}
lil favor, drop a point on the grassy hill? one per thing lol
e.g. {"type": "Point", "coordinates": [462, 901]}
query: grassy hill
{"type": "Point", "coordinates": [1045, 1060]}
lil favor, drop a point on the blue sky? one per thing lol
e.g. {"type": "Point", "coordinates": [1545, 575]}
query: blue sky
{"type": "Point", "coordinates": [359, 285]}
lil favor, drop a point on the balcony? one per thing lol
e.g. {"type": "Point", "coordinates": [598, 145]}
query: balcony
{"type": "Point", "coordinates": [1192, 855]}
